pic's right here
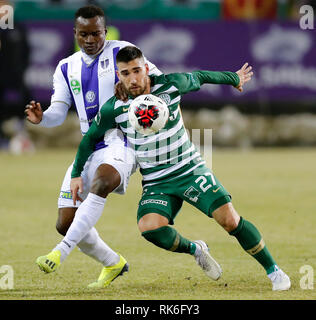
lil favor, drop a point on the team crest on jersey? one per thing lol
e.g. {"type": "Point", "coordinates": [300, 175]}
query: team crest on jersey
{"type": "Point", "coordinates": [165, 97]}
{"type": "Point", "coordinates": [90, 96]}
{"type": "Point", "coordinates": [75, 86]}
{"type": "Point", "coordinates": [104, 63]}
{"type": "Point", "coordinates": [192, 194]}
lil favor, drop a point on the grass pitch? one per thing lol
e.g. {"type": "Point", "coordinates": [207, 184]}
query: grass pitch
{"type": "Point", "coordinates": [273, 188]}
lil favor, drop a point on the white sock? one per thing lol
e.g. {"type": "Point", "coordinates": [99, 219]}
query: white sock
{"type": "Point", "coordinates": [93, 246]}
{"type": "Point", "coordinates": [85, 218]}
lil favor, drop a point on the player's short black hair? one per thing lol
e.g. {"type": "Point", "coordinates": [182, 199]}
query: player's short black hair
{"type": "Point", "coordinates": [128, 54]}
{"type": "Point", "coordinates": [89, 12]}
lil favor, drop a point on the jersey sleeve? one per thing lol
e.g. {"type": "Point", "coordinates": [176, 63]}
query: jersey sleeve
{"type": "Point", "coordinates": [60, 87]}
{"type": "Point", "coordinates": [192, 81]}
{"type": "Point", "coordinates": [102, 122]}
{"type": "Point", "coordinates": [55, 115]}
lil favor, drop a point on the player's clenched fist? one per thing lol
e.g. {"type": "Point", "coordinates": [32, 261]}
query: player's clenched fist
{"type": "Point", "coordinates": [34, 112]}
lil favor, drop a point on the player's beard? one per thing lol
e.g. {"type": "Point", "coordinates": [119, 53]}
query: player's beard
{"type": "Point", "coordinates": [139, 90]}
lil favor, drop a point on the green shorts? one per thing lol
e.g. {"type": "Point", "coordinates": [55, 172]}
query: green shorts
{"type": "Point", "coordinates": [203, 191]}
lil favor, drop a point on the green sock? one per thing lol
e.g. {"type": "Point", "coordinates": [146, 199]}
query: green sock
{"type": "Point", "coordinates": [169, 239]}
{"type": "Point", "coordinates": [251, 241]}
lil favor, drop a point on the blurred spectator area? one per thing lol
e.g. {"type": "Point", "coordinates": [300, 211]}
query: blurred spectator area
{"type": "Point", "coordinates": [178, 36]}
{"type": "Point", "coordinates": [185, 35]}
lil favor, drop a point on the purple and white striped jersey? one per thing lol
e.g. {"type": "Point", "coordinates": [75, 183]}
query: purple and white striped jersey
{"type": "Point", "coordinates": [89, 83]}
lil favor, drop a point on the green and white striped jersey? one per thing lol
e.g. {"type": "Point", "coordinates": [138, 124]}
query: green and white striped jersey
{"type": "Point", "coordinates": [168, 153]}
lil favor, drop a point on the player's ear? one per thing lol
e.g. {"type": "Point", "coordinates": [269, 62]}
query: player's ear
{"type": "Point", "coordinates": [118, 74]}
{"type": "Point", "coordinates": [147, 68]}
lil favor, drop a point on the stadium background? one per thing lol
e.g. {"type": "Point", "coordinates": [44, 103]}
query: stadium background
{"type": "Point", "coordinates": [267, 135]}
{"type": "Point", "coordinates": [276, 108]}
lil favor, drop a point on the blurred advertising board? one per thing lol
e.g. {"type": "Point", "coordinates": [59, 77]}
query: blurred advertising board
{"type": "Point", "coordinates": [282, 55]}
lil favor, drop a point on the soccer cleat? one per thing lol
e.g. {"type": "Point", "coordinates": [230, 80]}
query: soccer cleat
{"type": "Point", "coordinates": [109, 274]}
{"type": "Point", "coordinates": [50, 262]}
{"type": "Point", "coordinates": [280, 280]}
{"type": "Point", "coordinates": [203, 258]}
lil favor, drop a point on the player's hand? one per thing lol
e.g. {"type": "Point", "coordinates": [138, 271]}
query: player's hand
{"type": "Point", "coordinates": [34, 112]}
{"type": "Point", "coordinates": [120, 92]}
{"type": "Point", "coordinates": [75, 186]}
{"type": "Point", "coordinates": [244, 75]}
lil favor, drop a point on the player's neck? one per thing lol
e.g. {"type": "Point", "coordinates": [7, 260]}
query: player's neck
{"type": "Point", "coordinates": [89, 58]}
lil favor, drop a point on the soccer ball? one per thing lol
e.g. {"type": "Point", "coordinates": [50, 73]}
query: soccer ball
{"type": "Point", "coordinates": [148, 114]}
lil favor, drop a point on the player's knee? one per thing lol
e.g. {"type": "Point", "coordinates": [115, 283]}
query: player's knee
{"type": "Point", "coordinates": [152, 221]}
{"type": "Point", "coordinates": [105, 181]}
{"type": "Point", "coordinates": [227, 217]}
{"type": "Point", "coordinates": [101, 186]}
{"type": "Point", "coordinates": [230, 223]}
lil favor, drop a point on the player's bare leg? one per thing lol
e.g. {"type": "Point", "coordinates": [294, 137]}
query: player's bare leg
{"type": "Point", "coordinates": [154, 228]}
{"type": "Point", "coordinates": [251, 241]}
{"type": "Point", "coordinates": [64, 220]}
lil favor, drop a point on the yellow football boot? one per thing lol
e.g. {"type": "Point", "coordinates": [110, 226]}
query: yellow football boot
{"type": "Point", "coordinates": [50, 262]}
{"type": "Point", "coordinates": [108, 274]}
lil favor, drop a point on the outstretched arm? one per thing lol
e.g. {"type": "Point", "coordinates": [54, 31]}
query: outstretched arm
{"type": "Point", "coordinates": [61, 101]}
{"type": "Point", "coordinates": [54, 116]}
{"type": "Point", "coordinates": [236, 79]}
{"type": "Point", "coordinates": [192, 81]}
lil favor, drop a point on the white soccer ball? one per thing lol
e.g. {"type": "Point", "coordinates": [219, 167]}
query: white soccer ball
{"type": "Point", "coordinates": [148, 114]}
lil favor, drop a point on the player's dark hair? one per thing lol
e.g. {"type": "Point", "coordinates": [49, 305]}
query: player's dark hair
{"type": "Point", "coordinates": [128, 54]}
{"type": "Point", "coordinates": [89, 12]}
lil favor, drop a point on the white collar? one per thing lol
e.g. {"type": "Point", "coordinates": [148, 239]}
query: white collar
{"type": "Point", "coordinates": [88, 59]}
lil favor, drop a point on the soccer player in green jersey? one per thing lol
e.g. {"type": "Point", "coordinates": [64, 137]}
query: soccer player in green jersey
{"type": "Point", "coordinates": [172, 169]}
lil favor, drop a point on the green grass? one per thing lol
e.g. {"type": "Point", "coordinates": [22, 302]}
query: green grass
{"type": "Point", "coordinates": [273, 188]}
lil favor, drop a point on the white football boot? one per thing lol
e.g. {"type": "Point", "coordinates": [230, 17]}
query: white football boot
{"type": "Point", "coordinates": [203, 258]}
{"type": "Point", "coordinates": [280, 280]}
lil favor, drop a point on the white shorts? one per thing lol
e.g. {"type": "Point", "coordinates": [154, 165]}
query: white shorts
{"type": "Point", "coordinates": [118, 154]}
